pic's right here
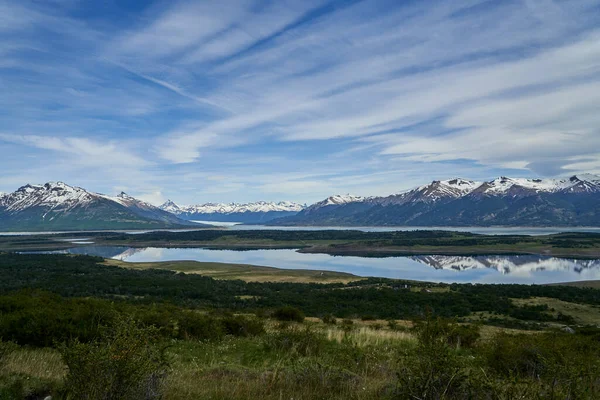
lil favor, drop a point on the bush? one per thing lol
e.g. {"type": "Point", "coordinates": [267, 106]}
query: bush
{"type": "Point", "coordinates": [439, 329]}
{"type": "Point", "coordinates": [463, 335]}
{"type": "Point", "coordinates": [329, 319]}
{"type": "Point", "coordinates": [288, 314]}
{"type": "Point", "coordinates": [434, 371]}
{"type": "Point", "coordinates": [126, 364]}
{"type": "Point", "coordinates": [192, 325]}
{"type": "Point", "coordinates": [565, 365]}
{"type": "Point", "coordinates": [347, 324]}
{"type": "Point", "coordinates": [242, 326]}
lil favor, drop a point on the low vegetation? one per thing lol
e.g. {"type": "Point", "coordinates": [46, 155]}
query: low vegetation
{"type": "Point", "coordinates": [75, 328]}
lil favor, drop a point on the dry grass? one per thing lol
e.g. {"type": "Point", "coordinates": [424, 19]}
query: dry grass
{"type": "Point", "coordinates": [248, 273]}
{"type": "Point", "coordinates": [585, 314]}
{"type": "Point", "coordinates": [365, 336]}
{"type": "Point", "coordinates": [39, 363]}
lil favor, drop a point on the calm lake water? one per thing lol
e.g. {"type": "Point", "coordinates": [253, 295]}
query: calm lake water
{"type": "Point", "coordinates": [482, 269]}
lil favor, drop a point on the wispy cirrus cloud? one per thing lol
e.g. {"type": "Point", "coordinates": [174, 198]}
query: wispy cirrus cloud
{"type": "Point", "coordinates": [245, 99]}
{"type": "Point", "coordinates": [84, 152]}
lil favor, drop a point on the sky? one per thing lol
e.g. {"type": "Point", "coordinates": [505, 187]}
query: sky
{"type": "Point", "coordinates": [247, 100]}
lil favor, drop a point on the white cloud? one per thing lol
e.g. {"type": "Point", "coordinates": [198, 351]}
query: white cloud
{"type": "Point", "coordinates": [85, 152]}
{"type": "Point", "coordinates": [363, 97]}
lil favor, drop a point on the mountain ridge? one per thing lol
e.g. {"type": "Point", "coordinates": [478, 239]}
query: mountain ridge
{"type": "Point", "coordinates": [504, 201]}
{"type": "Point", "coordinates": [255, 212]}
{"type": "Point", "coordinates": [59, 206]}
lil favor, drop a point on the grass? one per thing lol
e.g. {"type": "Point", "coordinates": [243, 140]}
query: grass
{"type": "Point", "coordinates": [39, 363]}
{"type": "Point", "coordinates": [248, 273]}
{"type": "Point", "coordinates": [250, 368]}
{"type": "Point", "coordinates": [583, 314]}
{"type": "Point", "coordinates": [584, 284]}
{"type": "Point", "coordinates": [312, 360]}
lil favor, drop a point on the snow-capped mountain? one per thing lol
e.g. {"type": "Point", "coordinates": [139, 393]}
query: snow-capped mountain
{"type": "Point", "coordinates": [257, 212]}
{"type": "Point", "coordinates": [501, 186]}
{"type": "Point", "coordinates": [58, 206]}
{"type": "Point", "coordinates": [433, 192]}
{"type": "Point", "coordinates": [335, 200]}
{"type": "Point", "coordinates": [522, 264]}
{"type": "Point", "coordinates": [572, 201]}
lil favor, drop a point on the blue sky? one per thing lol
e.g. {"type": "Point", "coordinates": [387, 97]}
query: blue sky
{"type": "Point", "coordinates": [243, 100]}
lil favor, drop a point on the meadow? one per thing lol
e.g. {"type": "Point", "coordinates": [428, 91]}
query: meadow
{"type": "Point", "coordinates": [75, 327]}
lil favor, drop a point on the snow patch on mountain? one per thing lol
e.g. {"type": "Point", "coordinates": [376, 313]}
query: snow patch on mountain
{"type": "Point", "coordinates": [128, 201]}
{"type": "Point", "coordinates": [575, 183]}
{"type": "Point", "coordinates": [337, 200]}
{"type": "Point", "coordinates": [170, 206]}
{"type": "Point", "coordinates": [451, 188]}
{"type": "Point", "coordinates": [53, 195]}
{"type": "Point", "coordinates": [233, 208]}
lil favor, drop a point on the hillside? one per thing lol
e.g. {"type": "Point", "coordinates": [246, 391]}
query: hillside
{"type": "Point", "coordinates": [58, 206]}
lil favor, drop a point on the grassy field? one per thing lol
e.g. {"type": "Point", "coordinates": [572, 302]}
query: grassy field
{"type": "Point", "coordinates": [583, 314]}
{"type": "Point", "coordinates": [588, 284]}
{"type": "Point", "coordinates": [351, 359]}
{"type": "Point", "coordinates": [248, 273]}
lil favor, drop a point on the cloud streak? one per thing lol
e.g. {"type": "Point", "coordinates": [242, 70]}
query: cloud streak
{"type": "Point", "coordinates": [299, 99]}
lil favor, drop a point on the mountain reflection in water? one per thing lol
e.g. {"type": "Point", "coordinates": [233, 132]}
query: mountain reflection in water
{"type": "Point", "coordinates": [488, 269]}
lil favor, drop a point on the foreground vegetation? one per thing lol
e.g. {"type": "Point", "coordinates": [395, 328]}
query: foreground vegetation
{"type": "Point", "coordinates": [336, 359]}
{"type": "Point", "coordinates": [337, 242]}
{"type": "Point", "coordinates": [75, 328]}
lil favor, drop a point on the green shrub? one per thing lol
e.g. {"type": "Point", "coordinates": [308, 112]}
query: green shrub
{"type": "Point", "coordinates": [463, 335]}
{"type": "Point", "coordinates": [329, 319]}
{"type": "Point", "coordinates": [565, 366]}
{"type": "Point", "coordinates": [20, 386]}
{"type": "Point", "coordinates": [41, 319]}
{"type": "Point", "coordinates": [288, 314]}
{"type": "Point", "coordinates": [347, 324]}
{"type": "Point", "coordinates": [434, 370]}
{"type": "Point", "coordinates": [126, 364]}
{"type": "Point", "coordinates": [242, 326]}
{"type": "Point", "coordinates": [439, 329]}
{"type": "Point", "coordinates": [192, 325]}
{"type": "Point", "coordinates": [367, 318]}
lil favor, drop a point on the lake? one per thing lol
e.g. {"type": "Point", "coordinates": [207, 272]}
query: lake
{"type": "Point", "coordinates": [477, 269]}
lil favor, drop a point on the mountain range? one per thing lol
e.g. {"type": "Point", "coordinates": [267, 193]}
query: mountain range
{"type": "Point", "coordinates": [573, 201]}
{"type": "Point", "coordinates": [249, 213]}
{"type": "Point", "coordinates": [58, 206]}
